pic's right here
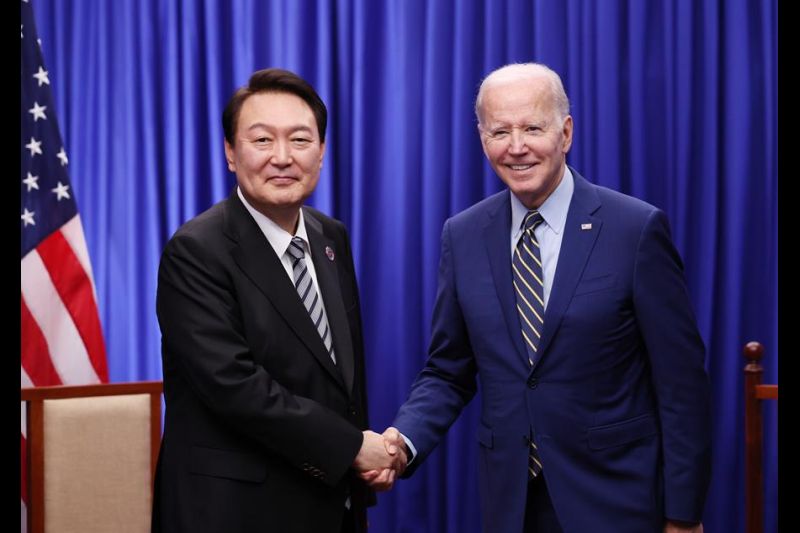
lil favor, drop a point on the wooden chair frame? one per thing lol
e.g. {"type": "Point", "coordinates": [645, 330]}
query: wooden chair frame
{"type": "Point", "coordinates": [754, 394]}
{"type": "Point", "coordinates": [35, 398]}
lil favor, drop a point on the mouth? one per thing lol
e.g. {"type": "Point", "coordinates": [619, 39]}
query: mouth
{"type": "Point", "coordinates": [520, 168]}
{"type": "Point", "coordinates": [281, 180]}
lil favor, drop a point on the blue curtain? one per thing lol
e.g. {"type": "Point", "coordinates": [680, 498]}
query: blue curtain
{"type": "Point", "coordinates": [674, 101]}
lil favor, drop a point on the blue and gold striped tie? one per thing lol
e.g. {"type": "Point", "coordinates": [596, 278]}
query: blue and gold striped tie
{"type": "Point", "coordinates": [308, 294]}
{"type": "Point", "coordinates": [529, 289]}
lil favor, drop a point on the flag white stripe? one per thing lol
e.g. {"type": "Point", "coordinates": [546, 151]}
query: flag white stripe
{"type": "Point", "coordinates": [73, 233]}
{"type": "Point", "coordinates": [24, 518]}
{"type": "Point", "coordinates": [24, 379]}
{"type": "Point", "coordinates": [64, 343]}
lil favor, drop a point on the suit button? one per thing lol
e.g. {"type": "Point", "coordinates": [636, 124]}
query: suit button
{"type": "Point", "coordinates": [532, 383]}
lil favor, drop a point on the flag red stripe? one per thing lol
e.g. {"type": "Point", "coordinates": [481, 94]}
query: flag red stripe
{"type": "Point", "coordinates": [35, 356]}
{"type": "Point", "coordinates": [75, 289]}
{"type": "Point", "coordinates": [23, 455]}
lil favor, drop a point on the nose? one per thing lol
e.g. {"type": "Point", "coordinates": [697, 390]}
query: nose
{"type": "Point", "coordinates": [282, 155]}
{"type": "Point", "coordinates": [517, 143]}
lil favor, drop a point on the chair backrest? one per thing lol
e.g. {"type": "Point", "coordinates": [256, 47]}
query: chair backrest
{"type": "Point", "coordinates": [754, 394]}
{"type": "Point", "coordinates": [91, 454]}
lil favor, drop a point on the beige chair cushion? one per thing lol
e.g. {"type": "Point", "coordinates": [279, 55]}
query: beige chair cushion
{"type": "Point", "coordinates": [97, 464]}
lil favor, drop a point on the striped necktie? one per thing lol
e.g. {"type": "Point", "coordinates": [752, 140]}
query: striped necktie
{"type": "Point", "coordinates": [529, 289]}
{"type": "Point", "coordinates": [308, 294]}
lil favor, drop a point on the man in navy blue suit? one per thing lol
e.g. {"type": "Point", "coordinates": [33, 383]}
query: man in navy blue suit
{"type": "Point", "coordinates": [567, 301]}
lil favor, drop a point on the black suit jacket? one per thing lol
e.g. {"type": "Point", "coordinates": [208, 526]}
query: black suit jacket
{"type": "Point", "coordinates": [261, 426]}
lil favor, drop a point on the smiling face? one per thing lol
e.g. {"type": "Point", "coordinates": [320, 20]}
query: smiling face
{"type": "Point", "coordinates": [524, 137]}
{"type": "Point", "coordinates": [277, 155]}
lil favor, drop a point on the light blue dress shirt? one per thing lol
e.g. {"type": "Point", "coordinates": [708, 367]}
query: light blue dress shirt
{"type": "Point", "coordinates": [550, 232]}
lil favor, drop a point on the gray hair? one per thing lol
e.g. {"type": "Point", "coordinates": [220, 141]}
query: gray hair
{"type": "Point", "coordinates": [516, 71]}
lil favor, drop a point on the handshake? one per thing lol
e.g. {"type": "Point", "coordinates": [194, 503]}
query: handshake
{"type": "Point", "coordinates": [381, 459]}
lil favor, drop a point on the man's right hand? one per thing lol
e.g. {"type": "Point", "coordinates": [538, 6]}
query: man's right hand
{"type": "Point", "coordinates": [394, 446]}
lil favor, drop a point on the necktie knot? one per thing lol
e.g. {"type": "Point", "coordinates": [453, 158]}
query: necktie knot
{"type": "Point", "coordinates": [532, 219]}
{"type": "Point", "coordinates": [295, 248]}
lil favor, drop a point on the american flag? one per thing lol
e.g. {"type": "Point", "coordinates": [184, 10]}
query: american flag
{"type": "Point", "coordinates": [61, 337]}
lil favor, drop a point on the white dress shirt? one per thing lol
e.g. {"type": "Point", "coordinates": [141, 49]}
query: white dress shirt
{"type": "Point", "coordinates": [279, 239]}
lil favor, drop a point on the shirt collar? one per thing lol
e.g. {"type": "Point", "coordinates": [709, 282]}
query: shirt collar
{"type": "Point", "coordinates": [553, 210]}
{"type": "Point", "coordinates": [278, 237]}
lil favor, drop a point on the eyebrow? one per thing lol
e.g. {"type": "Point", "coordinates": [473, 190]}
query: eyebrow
{"type": "Point", "coordinates": [504, 125]}
{"type": "Point", "coordinates": [292, 129]}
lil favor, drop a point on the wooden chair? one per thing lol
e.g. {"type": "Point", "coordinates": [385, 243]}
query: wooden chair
{"type": "Point", "coordinates": [91, 454]}
{"type": "Point", "coordinates": [754, 394]}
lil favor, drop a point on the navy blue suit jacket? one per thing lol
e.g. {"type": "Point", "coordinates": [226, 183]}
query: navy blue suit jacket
{"type": "Point", "coordinates": [617, 402]}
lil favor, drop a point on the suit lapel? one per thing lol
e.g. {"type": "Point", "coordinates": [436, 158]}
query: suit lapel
{"type": "Point", "coordinates": [576, 247]}
{"type": "Point", "coordinates": [497, 235]}
{"type": "Point", "coordinates": [328, 278]}
{"type": "Point", "coordinates": [258, 261]}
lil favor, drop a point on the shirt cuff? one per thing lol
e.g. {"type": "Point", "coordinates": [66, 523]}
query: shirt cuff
{"type": "Point", "coordinates": [411, 448]}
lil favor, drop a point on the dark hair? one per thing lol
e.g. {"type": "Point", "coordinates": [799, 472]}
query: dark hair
{"type": "Point", "coordinates": [273, 80]}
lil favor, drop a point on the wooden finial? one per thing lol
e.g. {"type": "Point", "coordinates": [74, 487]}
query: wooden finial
{"type": "Point", "coordinates": [753, 351]}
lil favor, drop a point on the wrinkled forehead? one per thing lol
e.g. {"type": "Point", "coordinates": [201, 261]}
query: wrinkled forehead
{"type": "Point", "coordinates": [517, 99]}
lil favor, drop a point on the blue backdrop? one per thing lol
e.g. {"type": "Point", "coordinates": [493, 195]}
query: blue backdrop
{"type": "Point", "coordinates": [674, 101]}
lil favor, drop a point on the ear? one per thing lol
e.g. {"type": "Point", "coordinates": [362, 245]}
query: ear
{"type": "Point", "coordinates": [482, 137]}
{"type": "Point", "coordinates": [566, 131]}
{"type": "Point", "coordinates": [321, 153]}
{"type": "Point", "coordinates": [229, 156]}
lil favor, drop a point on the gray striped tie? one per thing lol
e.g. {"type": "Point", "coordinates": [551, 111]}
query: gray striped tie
{"type": "Point", "coordinates": [308, 294]}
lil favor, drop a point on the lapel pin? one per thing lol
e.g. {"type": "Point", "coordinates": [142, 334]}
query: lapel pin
{"type": "Point", "coordinates": [329, 252]}
{"type": "Point", "coordinates": [586, 226]}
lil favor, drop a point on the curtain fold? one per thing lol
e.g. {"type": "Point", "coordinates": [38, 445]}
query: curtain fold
{"type": "Point", "coordinates": [674, 101]}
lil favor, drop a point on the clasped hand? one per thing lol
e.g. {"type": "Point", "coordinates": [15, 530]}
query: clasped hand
{"type": "Point", "coordinates": [381, 459]}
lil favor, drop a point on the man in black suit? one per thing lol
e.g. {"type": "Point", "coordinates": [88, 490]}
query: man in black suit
{"type": "Point", "coordinates": [262, 346]}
